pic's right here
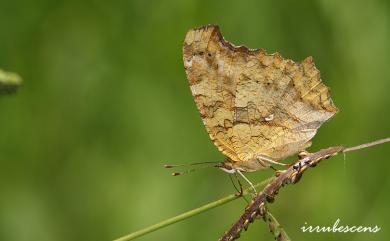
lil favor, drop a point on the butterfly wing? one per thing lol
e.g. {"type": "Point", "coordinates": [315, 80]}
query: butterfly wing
{"type": "Point", "coordinates": [253, 103]}
{"type": "Point", "coordinates": [213, 93]}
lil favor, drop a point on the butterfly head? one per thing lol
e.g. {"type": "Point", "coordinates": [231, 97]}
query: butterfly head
{"type": "Point", "coordinates": [227, 166]}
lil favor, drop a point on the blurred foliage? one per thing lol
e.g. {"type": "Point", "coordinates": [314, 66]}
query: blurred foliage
{"type": "Point", "coordinates": [9, 82]}
{"type": "Point", "coordinates": [105, 103]}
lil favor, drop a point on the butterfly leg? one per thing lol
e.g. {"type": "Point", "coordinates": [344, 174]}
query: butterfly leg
{"type": "Point", "coordinates": [277, 172]}
{"type": "Point", "coordinates": [269, 160]}
{"type": "Point", "coordinates": [240, 191]}
{"type": "Point", "coordinates": [247, 180]}
{"type": "Point", "coordinates": [239, 183]}
{"type": "Point", "coordinates": [303, 154]}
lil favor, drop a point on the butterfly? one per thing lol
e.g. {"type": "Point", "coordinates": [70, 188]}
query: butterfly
{"type": "Point", "coordinates": [257, 108]}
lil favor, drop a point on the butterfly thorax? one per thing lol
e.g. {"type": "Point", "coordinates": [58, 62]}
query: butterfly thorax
{"type": "Point", "coordinates": [251, 165]}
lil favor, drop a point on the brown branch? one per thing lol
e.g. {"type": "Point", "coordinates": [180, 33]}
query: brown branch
{"type": "Point", "coordinates": [289, 176]}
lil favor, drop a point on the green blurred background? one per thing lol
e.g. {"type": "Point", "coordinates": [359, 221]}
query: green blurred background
{"type": "Point", "coordinates": [105, 103]}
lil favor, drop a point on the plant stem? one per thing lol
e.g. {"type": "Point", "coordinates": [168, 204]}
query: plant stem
{"type": "Point", "coordinates": [362, 146]}
{"type": "Point", "coordinates": [275, 228]}
{"type": "Point", "coordinates": [189, 214]}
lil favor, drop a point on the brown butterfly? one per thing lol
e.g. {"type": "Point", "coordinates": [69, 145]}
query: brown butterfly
{"type": "Point", "coordinates": [258, 108]}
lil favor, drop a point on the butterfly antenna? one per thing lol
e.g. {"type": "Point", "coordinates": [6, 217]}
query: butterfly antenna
{"type": "Point", "coordinates": [189, 170]}
{"type": "Point", "coordinates": [188, 164]}
{"type": "Point", "coordinates": [182, 173]}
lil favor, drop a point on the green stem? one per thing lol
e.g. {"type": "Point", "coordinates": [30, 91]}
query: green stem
{"type": "Point", "coordinates": [275, 228]}
{"type": "Point", "coordinates": [189, 214]}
